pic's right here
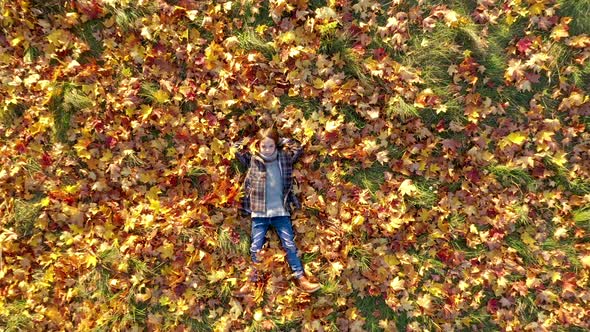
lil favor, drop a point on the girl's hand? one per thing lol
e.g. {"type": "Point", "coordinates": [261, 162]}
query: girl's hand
{"type": "Point", "coordinates": [241, 143]}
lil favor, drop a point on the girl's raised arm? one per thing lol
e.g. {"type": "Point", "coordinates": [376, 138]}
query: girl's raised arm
{"type": "Point", "coordinates": [242, 155]}
{"type": "Point", "coordinates": [294, 146]}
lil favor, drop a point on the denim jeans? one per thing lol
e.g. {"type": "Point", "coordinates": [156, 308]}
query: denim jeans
{"type": "Point", "coordinates": [284, 229]}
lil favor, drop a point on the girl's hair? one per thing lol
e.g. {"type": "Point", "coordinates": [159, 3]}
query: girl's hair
{"type": "Point", "coordinates": [271, 133]}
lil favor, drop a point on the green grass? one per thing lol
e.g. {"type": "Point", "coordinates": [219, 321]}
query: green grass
{"type": "Point", "coordinates": [567, 246]}
{"type": "Point", "coordinates": [308, 106]}
{"type": "Point", "coordinates": [86, 32]}
{"type": "Point", "coordinates": [493, 56]}
{"type": "Point", "coordinates": [361, 256]}
{"type": "Point", "coordinates": [460, 244]}
{"type": "Point", "coordinates": [131, 159]}
{"type": "Point", "coordinates": [522, 214]}
{"type": "Point", "coordinates": [526, 308]}
{"type": "Point", "coordinates": [315, 4]}
{"type": "Point", "coordinates": [351, 115]}
{"type": "Point", "coordinates": [522, 249]}
{"type": "Point", "coordinates": [10, 113]}
{"type": "Point", "coordinates": [578, 186]}
{"type": "Point", "coordinates": [24, 216]}
{"type": "Point", "coordinates": [48, 7]}
{"type": "Point", "coordinates": [227, 246]}
{"type": "Point", "coordinates": [512, 176]}
{"type": "Point", "coordinates": [67, 98]}
{"type": "Point", "coordinates": [335, 43]}
{"type": "Point", "coordinates": [426, 194]}
{"type": "Point", "coordinates": [561, 57]}
{"type": "Point", "coordinates": [127, 16]}
{"type": "Point", "coordinates": [579, 10]}
{"type": "Point", "coordinates": [398, 107]}
{"type": "Point", "coordinates": [15, 316]}
{"type": "Point", "coordinates": [581, 217]}
{"type": "Point", "coordinates": [329, 286]}
{"type": "Point", "coordinates": [309, 257]}
{"type": "Point", "coordinates": [148, 91]}
{"type": "Point", "coordinates": [281, 325]}
{"type": "Point", "coordinates": [433, 52]}
{"type": "Point", "coordinates": [202, 325]}
{"type": "Point", "coordinates": [251, 13]}
{"type": "Point", "coordinates": [31, 54]}
{"type": "Point", "coordinates": [581, 77]}
{"type": "Point", "coordinates": [370, 178]}
{"type": "Point", "coordinates": [374, 308]}
{"type": "Point", "coordinates": [249, 40]}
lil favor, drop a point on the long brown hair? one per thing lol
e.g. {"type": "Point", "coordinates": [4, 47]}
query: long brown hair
{"type": "Point", "coordinates": [271, 133]}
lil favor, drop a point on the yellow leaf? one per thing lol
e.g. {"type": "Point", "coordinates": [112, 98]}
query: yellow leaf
{"type": "Point", "coordinates": [436, 289]}
{"type": "Point", "coordinates": [161, 96]}
{"type": "Point", "coordinates": [559, 32]}
{"type": "Point", "coordinates": [516, 137]}
{"type": "Point", "coordinates": [318, 83]}
{"type": "Point", "coordinates": [537, 8]}
{"type": "Point", "coordinates": [45, 202]}
{"type": "Point", "coordinates": [155, 205]}
{"type": "Point", "coordinates": [15, 41]}
{"type": "Point", "coordinates": [91, 260]}
{"type": "Point", "coordinates": [58, 37]}
{"type": "Point", "coordinates": [358, 220]}
{"type": "Point", "coordinates": [425, 301]}
{"type": "Point", "coordinates": [585, 260]}
{"type": "Point", "coordinates": [510, 19]}
{"type": "Point", "coordinates": [167, 250]}
{"type": "Point", "coordinates": [31, 79]}
{"type": "Point", "coordinates": [142, 297]}
{"type": "Point", "coordinates": [560, 158]}
{"type": "Point", "coordinates": [397, 284]}
{"type": "Point", "coordinates": [258, 315]}
{"type": "Point", "coordinates": [391, 260]}
{"type": "Point", "coordinates": [146, 111]}
{"type": "Point", "coordinates": [560, 232]}
{"type": "Point", "coordinates": [407, 187]}
{"type": "Point", "coordinates": [106, 156]}
{"type": "Point", "coordinates": [153, 193]}
{"type": "Point", "coordinates": [527, 239]}
{"type": "Point", "coordinates": [332, 126]}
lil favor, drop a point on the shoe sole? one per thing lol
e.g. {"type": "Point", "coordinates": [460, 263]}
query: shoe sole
{"type": "Point", "coordinates": [310, 290]}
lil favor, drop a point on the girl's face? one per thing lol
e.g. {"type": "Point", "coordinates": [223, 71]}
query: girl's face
{"type": "Point", "coordinates": [267, 146]}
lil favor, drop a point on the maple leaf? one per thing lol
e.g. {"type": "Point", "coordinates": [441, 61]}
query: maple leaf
{"type": "Point", "coordinates": [425, 301]}
{"type": "Point", "coordinates": [524, 44]}
{"type": "Point", "coordinates": [407, 187]}
{"type": "Point", "coordinates": [397, 284]}
{"type": "Point", "coordinates": [517, 138]}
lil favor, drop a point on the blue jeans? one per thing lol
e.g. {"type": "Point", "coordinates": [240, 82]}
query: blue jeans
{"type": "Point", "coordinates": [284, 229]}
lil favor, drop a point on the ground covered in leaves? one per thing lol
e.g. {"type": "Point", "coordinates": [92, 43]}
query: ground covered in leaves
{"type": "Point", "coordinates": [445, 182]}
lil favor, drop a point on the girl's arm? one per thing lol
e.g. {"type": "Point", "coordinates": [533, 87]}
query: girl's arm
{"type": "Point", "coordinates": [242, 155]}
{"type": "Point", "coordinates": [293, 145]}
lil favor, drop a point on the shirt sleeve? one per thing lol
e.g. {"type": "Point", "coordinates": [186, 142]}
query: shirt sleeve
{"type": "Point", "coordinates": [293, 147]}
{"type": "Point", "coordinates": [242, 155]}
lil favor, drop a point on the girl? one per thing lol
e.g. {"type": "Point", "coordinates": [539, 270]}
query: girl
{"type": "Point", "coordinates": [268, 197]}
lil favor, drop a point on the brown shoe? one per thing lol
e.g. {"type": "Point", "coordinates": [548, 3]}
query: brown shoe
{"type": "Point", "coordinates": [306, 285]}
{"type": "Point", "coordinates": [245, 290]}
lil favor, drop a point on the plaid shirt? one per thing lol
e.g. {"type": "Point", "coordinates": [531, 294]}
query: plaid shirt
{"type": "Point", "coordinates": [253, 189]}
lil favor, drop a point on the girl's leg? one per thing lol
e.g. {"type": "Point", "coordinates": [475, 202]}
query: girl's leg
{"type": "Point", "coordinates": [285, 231]}
{"type": "Point", "coordinates": [258, 236]}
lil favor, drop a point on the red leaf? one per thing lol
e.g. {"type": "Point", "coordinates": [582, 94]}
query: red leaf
{"type": "Point", "coordinates": [492, 306]}
{"type": "Point", "coordinates": [46, 160]}
{"type": "Point", "coordinates": [524, 44]}
{"type": "Point", "coordinates": [379, 53]}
